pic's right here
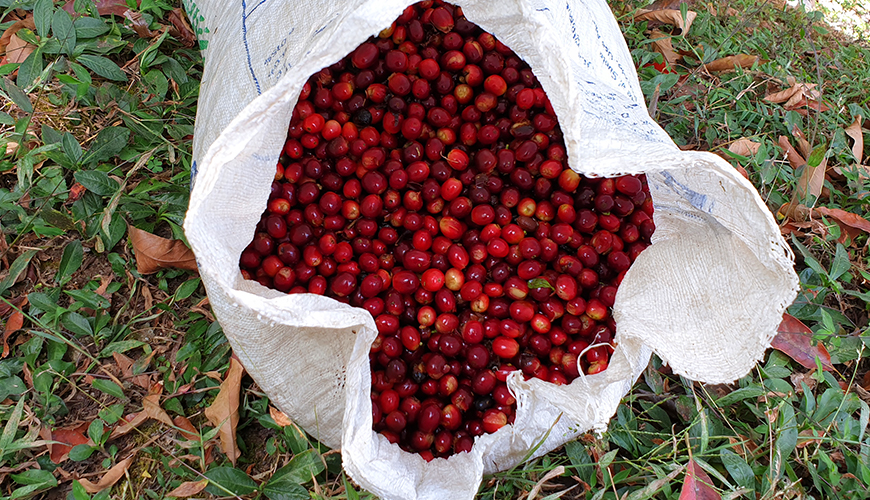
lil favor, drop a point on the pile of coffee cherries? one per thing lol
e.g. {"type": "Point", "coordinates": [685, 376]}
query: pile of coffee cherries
{"type": "Point", "coordinates": [425, 180]}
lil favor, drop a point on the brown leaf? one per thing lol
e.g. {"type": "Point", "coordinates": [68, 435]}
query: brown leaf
{"type": "Point", "coordinates": [154, 253]}
{"type": "Point", "coordinates": [847, 218]}
{"type": "Point", "coordinates": [851, 225]}
{"type": "Point", "coordinates": [809, 436]}
{"type": "Point", "coordinates": [744, 147]}
{"type": "Point", "coordinates": [794, 94]}
{"type": "Point", "coordinates": [150, 409]}
{"type": "Point", "coordinates": [794, 157]}
{"type": "Point", "coordinates": [854, 131]}
{"type": "Point", "coordinates": [811, 181]}
{"type": "Point", "coordinates": [14, 304]}
{"type": "Point", "coordinates": [187, 430]}
{"type": "Point", "coordinates": [180, 28]}
{"type": "Point", "coordinates": [109, 478]}
{"type": "Point", "coordinates": [279, 417]}
{"type": "Point", "coordinates": [66, 438]}
{"type": "Point", "coordinates": [104, 7]}
{"type": "Point", "coordinates": [803, 103]}
{"type": "Point", "coordinates": [18, 50]}
{"type": "Point", "coordinates": [126, 365]}
{"type": "Point", "coordinates": [731, 62]}
{"type": "Point", "coordinates": [75, 192]}
{"type": "Point", "coordinates": [188, 488]}
{"type": "Point", "coordinates": [139, 25]}
{"type": "Point", "coordinates": [662, 44]}
{"type": "Point", "coordinates": [667, 16]}
{"type": "Point", "coordinates": [13, 324]}
{"type": "Point", "coordinates": [698, 485]}
{"type": "Point", "coordinates": [794, 340]}
{"type": "Point", "coordinates": [11, 30]}
{"type": "Point", "coordinates": [224, 411]}
{"type": "Point", "coordinates": [803, 143]}
{"type": "Point", "coordinates": [669, 4]}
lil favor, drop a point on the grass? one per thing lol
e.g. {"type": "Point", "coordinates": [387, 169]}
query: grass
{"type": "Point", "coordinates": [96, 130]}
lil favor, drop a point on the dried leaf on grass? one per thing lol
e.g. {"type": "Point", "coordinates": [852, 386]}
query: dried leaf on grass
{"type": "Point", "coordinates": [139, 25]}
{"type": "Point", "coordinates": [854, 131]}
{"type": "Point", "coordinates": [744, 147]}
{"type": "Point", "coordinates": [13, 324]}
{"type": "Point", "coordinates": [279, 417]}
{"type": "Point", "coordinates": [127, 367]}
{"type": "Point", "coordinates": [150, 409]}
{"type": "Point", "coordinates": [669, 4]}
{"type": "Point", "coordinates": [12, 29]}
{"type": "Point", "coordinates": [661, 43]}
{"type": "Point", "coordinates": [698, 485]}
{"type": "Point", "coordinates": [188, 489]}
{"type": "Point", "coordinates": [154, 253]}
{"type": "Point", "coordinates": [104, 7]}
{"type": "Point", "coordinates": [224, 411]}
{"type": "Point", "coordinates": [811, 181]}
{"type": "Point", "coordinates": [109, 478]}
{"type": "Point", "coordinates": [731, 62]}
{"type": "Point", "coordinates": [809, 436]}
{"type": "Point", "coordinates": [794, 339]}
{"type": "Point", "coordinates": [847, 218]}
{"type": "Point", "coordinates": [180, 28]}
{"type": "Point", "coordinates": [17, 50]}
{"type": "Point", "coordinates": [668, 16]}
{"type": "Point", "coordinates": [13, 305]}
{"type": "Point", "coordinates": [799, 95]}
{"type": "Point", "coordinates": [793, 155]}
{"type": "Point", "coordinates": [187, 430]}
{"type": "Point", "coordinates": [66, 438]}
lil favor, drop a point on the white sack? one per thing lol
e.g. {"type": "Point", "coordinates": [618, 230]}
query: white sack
{"type": "Point", "coordinates": [707, 296]}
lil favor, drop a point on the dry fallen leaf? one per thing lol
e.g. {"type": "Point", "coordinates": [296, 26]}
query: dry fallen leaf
{"type": "Point", "coordinates": [13, 324]}
{"type": "Point", "coordinates": [698, 485]}
{"type": "Point", "coordinates": [669, 4]}
{"type": "Point", "coordinates": [731, 62]}
{"type": "Point", "coordinates": [13, 305]}
{"type": "Point", "coordinates": [139, 25]}
{"type": "Point", "coordinates": [187, 430]}
{"type": "Point", "coordinates": [104, 7]}
{"type": "Point", "coordinates": [809, 436]}
{"type": "Point", "coordinates": [154, 253]}
{"type": "Point", "coordinates": [851, 225]}
{"type": "Point", "coordinates": [279, 417]}
{"type": "Point", "coordinates": [6, 38]}
{"type": "Point", "coordinates": [795, 340]}
{"type": "Point", "coordinates": [18, 50]}
{"type": "Point", "coordinates": [150, 409]}
{"type": "Point", "coordinates": [66, 439]}
{"type": "Point", "coordinates": [811, 181]}
{"type": "Point", "coordinates": [75, 192]}
{"type": "Point", "coordinates": [224, 411]}
{"type": "Point", "coordinates": [126, 365]}
{"type": "Point", "coordinates": [109, 478]}
{"type": "Point", "coordinates": [188, 488]}
{"type": "Point", "coordinates": [744, 147]}
{"type": "Point", "coordinates": [854, 131]}
{"type": "Point", "coordinates": [794, 157]}
{"type": "Point", "coordinates": [661, 43]}
{"type": "Point", "coordinates": [668, 16]}
{"type": "Point", "coordinates": [180, 28]}
{"type": "Point", "coordinates": [847, 218]}
{"type": "Point", "coordinates": [798, 97]}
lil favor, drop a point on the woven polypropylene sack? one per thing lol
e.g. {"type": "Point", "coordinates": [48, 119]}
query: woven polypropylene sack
{"type": "Point", "coordinates": [706, 296]}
